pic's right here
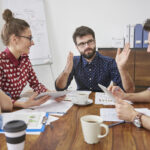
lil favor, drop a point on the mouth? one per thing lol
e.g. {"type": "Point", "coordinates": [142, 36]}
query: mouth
{"type": "Point", "coordinates": [88, 50]}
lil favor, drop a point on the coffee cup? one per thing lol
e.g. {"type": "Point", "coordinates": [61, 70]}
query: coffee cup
{"type": "Point", "coordinates": [15, 132]}
{"type": "Point", "coordinates": [80, 98]}
{"type": "Point", "coordinates": [91, 128]}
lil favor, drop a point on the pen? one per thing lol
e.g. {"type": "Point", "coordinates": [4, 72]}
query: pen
{"type": "Point", "coordinates": [114, 124]}
{"type": "Point", "coordinates": [44, 120]}
{"type": "Point", "coordinates": [51, 125]}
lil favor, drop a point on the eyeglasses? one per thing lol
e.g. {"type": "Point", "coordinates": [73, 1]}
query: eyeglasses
{"type": "Point", "coordinates": [30, 38]}
{"type": "Point", "coordinates": [83, 44]}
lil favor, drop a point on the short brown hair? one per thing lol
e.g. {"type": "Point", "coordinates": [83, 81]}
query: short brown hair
{"type": "Point", "coordinates": [12, 26]}
{"type": "Point", "coordinates": [147, 25]}
{"type": "Point", "coordinates": [82, 31]}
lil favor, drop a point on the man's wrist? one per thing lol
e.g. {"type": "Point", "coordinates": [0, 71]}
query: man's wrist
{"type": "Point", "coordinates": [122, 68]}
{"type": "Point", "coordinates": [134, 114]}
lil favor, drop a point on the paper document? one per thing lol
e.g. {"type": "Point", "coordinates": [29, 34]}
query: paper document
{"type": "Point", "coordinates": [51, 106]}
{"type": "Point", "coordinates": [51, 119]}
{"type": "Point", "coordinates": [54, 106]}
{"type": "Point", "coordinates": [73, 94]}
{"type": "Point", "coordinates": [33, 120]}
{"type": "Point", "coordinates": [110, 114]}
{"type": "Point", "coordinates": [53, 95]}
{"type": "Point", "coordinates": [104, 99]}
{"type": "Point", "coordinates": [107, 92]}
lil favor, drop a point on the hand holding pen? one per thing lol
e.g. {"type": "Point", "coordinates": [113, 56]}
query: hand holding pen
{"type": "Point", "coordinates": [115, 124]}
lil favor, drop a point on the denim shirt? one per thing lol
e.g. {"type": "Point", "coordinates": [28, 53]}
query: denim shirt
{"type": "Point", "coordinates": [87, 75]}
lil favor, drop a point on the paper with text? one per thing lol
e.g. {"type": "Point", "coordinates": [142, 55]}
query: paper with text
{"type": "Point", "coordinates": [110, 114]}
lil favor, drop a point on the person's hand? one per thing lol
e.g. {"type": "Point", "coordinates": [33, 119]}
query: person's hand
{"type": "Point", "coordinates": [122, 57]}
{"type": "Point", "coordinates": [69, 65]}
{"type": "Point", "coordinates": [61, 98]}
{"type": "Point", "coordinates": [124, 110]}
{"type": "Point", "coordinates": [58, 99]}
{"type": "Point", "coordinates": [118, 92]}
{"type": "Point", "coordinates": [111, 85]}
{"type": "Point", "coordinates": [32, 102]}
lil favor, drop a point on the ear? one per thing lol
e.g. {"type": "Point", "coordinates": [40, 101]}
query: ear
{"type": "Point", "coordinates": [13, 39]}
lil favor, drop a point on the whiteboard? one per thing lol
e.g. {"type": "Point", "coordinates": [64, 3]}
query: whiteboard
{"type": "Point", "coordinates": [33, 12]}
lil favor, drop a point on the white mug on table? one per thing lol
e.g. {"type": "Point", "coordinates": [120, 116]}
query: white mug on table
{"type": "Point", "coordinates": [91, 127]}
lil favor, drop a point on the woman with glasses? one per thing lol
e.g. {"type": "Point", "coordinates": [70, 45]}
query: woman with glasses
{"type": "Point", "coordinates": [15, 67]}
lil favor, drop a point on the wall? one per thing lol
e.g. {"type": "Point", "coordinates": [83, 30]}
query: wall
{"type": "Point", "coordinates": [106, 17]}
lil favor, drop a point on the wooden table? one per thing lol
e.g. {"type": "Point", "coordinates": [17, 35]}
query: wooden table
{"type": "Point", "coordinates": [67, 134]}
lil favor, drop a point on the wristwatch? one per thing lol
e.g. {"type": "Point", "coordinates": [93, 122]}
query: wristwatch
{"type": "Point", "coordinates": [137, 120]}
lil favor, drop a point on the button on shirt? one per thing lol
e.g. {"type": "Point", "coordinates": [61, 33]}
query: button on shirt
{"type": "Point", "coordinates": [14, 74]}
{"type": "Point", "coordinates": [87, 75]}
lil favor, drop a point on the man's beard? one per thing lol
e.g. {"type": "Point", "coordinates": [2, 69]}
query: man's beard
{"type": "Point", "coordinates": [89, 55]}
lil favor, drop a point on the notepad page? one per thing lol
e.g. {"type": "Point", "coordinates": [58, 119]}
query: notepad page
{"type": "Point", "coordinates": [110, 114]}
{"type": "Point", "coordinates": [102, 98]}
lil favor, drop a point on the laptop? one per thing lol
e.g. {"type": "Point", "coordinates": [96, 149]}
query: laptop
{"type": "Point", "coordinates": [107, 92]}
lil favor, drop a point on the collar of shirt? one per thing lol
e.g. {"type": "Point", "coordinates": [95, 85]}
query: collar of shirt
{"type": "Point", "coordinates": [93, 62]}
{"type": "Point", "coordinates": [12, 58]}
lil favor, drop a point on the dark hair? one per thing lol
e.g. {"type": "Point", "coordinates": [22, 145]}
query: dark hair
{"type": "Point", "coordinates": [147, 25]}
{"type": "Point", "coordinates": [82, 31]}
{"type": "Point", "coordinates": [12, 26]}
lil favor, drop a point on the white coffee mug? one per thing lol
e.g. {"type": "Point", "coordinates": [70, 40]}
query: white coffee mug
{"type": "Point", "coordinates": [91, 128]}
{"type": "Point", "coordinates": [80, 98]}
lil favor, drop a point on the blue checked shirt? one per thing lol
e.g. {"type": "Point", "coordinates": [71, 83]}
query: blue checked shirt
{"type": "Point", "coordinates": [87, 75]}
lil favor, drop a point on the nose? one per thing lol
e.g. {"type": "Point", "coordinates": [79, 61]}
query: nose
{"type": "Point", "coordinates": [86, 44]}
{"type": "Point", "coordinates": [32, 42]}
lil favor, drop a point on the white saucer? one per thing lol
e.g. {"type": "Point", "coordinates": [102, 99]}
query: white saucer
{"type": "Point", "coordinates": [89, 101]}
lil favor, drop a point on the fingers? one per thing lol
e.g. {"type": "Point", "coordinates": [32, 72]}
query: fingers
{"type": "Point", "coordinates": [110, 88]}
{"type": "Point", "coordinates": [127, 48]}
{"type": "Point", "coordinates": [42, 100]}
{"type": "Point", "coordinates": [119, 101]}
{"type": "Point", "coordinates": [70, 56]}
{"type": "Point", "coordinates": [34, 95]}
{"type": "Point", "coordinates": [118, 51]}
{"type": "Point", "coordinates": [115, 89]}
{"type": "Point", "coordinates": [60, 98]}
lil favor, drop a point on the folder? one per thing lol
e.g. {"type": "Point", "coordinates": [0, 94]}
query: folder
{"type": "Point", "coordinates": [145, 39]}
{"type": "Point", "coordinates": [138, 32]}
{"type": "Point", "coordinates": [127, 34]}
{"type": "Point", "coordinates": [35, 121]}
{"type": "Point", "coordinates": [131, 36]}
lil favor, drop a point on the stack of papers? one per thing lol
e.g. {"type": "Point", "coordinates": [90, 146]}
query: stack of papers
{"type": "Point", "coordinates": [53, 107]}
{"type": "Point", "coordinates": [110, 114]}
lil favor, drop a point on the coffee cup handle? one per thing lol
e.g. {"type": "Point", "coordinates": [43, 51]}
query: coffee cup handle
{"type": "Point", "coordinates": [106, 129]}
